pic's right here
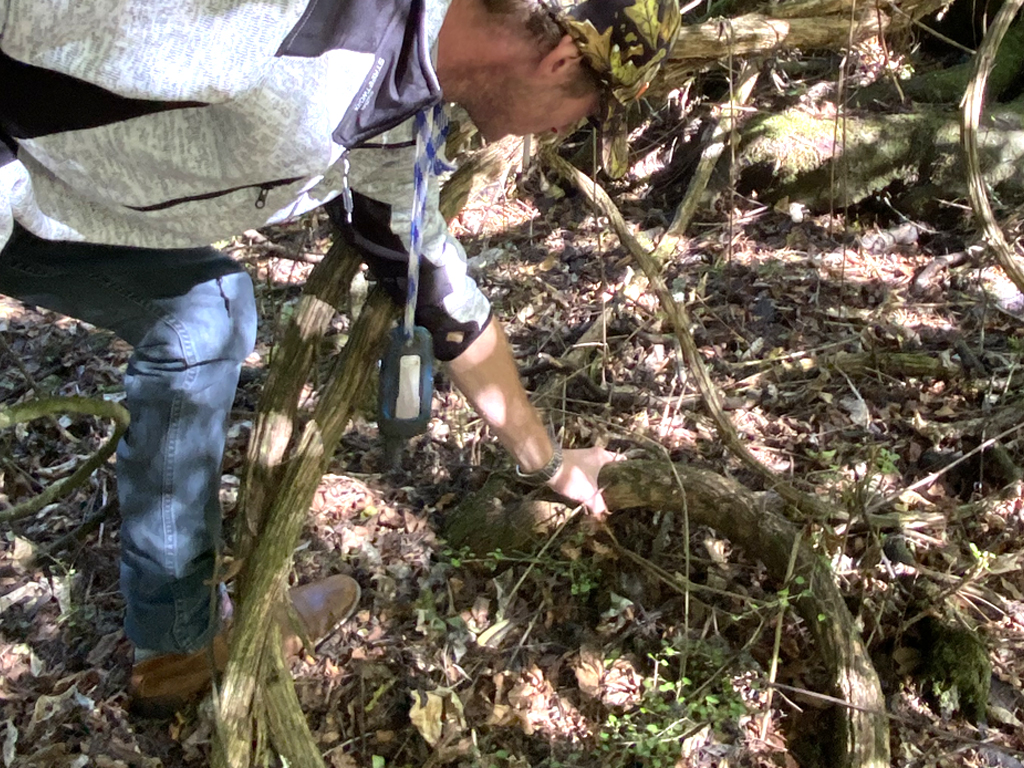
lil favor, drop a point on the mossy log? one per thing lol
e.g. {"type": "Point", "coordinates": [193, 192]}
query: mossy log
{"type": "Point", "coordinates": [956, 669]}
{"type": "Point", "coordinates": [823, 161]}
{"type": "Point", "coordinates": [498, 517]}
{"type": "Point", "coordinates": [947, 85]}
{"type": "Point", "coordinates": [491, 519]}
{"type": "Point", "coordinates": [806, 25]}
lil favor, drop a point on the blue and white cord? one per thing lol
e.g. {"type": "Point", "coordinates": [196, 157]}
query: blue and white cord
{"type": "Point", "coordinates": [431, 126]}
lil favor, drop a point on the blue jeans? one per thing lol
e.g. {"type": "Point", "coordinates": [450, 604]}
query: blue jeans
{"type": "Point", "coordinates": [190, 315]}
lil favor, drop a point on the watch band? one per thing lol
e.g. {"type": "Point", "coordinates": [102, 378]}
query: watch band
{"type": "Point", "coordinates": [545, 473]}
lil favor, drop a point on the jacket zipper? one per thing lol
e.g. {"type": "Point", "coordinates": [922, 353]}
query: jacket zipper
{"type": "Point", "coordinates": [263, 190]}
{"type": "Point", "coordinates": [261, 195]}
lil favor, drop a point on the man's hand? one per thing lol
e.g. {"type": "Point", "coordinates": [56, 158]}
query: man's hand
{"type": "Point", "coordinates": [577, 479]}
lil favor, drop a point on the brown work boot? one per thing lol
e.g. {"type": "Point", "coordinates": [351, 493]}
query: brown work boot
{"type": "Point", "coordinates": [162, 685]}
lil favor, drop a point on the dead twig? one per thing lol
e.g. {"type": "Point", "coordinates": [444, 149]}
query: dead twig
{"type": "Point", "coordinates": [708, 160]}
{"type": "Point", "coordinates": [76, 536]}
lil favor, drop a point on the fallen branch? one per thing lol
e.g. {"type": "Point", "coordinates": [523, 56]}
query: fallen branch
{"type": "Point", "coordinates": [1001, 418]}
{"type": "Point", "coordinates": [77, 535]}
{"type": "Point", "coordinates": [35, 409]}
{"type": "Point", "coordinates": [917, 365]}
{"type": "Point", "coordinates": [708, 160]}
{"type": "Point", "coordinates": [495, 517]}
{"type": "Point", "coordinates": [808, 26]}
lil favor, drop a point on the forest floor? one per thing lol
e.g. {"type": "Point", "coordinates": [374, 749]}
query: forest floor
{"type": "Point", "coordinates": [853, 361]}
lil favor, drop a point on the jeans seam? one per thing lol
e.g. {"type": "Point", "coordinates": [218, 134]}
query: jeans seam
{"type": "Point", "coordinates": [160, 315]}
{"type": "Point", "coordinates": [167, 480]}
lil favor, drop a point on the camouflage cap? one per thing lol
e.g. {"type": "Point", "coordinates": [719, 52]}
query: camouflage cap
{"type": "Point", "coordinates": [624, 42]}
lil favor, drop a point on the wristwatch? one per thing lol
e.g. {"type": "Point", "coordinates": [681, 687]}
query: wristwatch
{"type": "Point", "coordinates": [545, 473]}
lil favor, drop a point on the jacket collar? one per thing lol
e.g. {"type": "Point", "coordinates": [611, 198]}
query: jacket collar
{"type": "Point", "coordinates": [401, 35]}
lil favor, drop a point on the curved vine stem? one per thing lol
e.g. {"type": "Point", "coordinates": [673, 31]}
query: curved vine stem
{"type": "Point", "coordinates": [86, 406]}
{"type": "Point", "coordinates": [970, 117]}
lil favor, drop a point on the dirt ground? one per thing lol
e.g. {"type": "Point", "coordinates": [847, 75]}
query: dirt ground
{"type": "Point", "coordinates": [856, 364]}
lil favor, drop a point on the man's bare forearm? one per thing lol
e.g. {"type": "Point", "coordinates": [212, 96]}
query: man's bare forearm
{"type": "Point", "coordinates": [486, 374]}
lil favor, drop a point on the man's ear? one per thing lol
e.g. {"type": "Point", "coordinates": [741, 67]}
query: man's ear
{"type": "Point", "coordinates": [560, 60]}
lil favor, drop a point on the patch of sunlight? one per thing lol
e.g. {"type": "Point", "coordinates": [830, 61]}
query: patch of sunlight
{"type": "Point", "coordinates": [10, 309]}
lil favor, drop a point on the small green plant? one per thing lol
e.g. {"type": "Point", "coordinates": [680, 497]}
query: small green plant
{"type": "Point", "coordinates": [1016, 344]}
{"type": "Point", "coordinates": [671, 708]}
{"type": "Point", "coordinates": [826, 458]}
{"type": "Point", "coordinates": [582, 573]}
{"type": "Point", "coordinates": [886, 461]}
{"type": "Point", "coordinates": [457, 558]}
{"type": "Point", "coordinates": [584, 576]}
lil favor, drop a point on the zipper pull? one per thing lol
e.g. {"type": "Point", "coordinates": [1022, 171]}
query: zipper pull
{"type": "Point", "coordinates": [346, 190]}
{"type": "Point", "coordinates": [261, 198]}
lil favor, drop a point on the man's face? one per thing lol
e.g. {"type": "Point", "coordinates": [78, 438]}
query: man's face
{"type": "Point", "coordinates": [518, 106]}
{"type": "Point", "coordinates": [523, 96]}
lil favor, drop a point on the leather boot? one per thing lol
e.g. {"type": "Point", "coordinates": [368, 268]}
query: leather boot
{"type": "Point", "coordinates": [162, 685]}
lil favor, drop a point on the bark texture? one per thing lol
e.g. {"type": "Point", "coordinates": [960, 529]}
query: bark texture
{"type": "Point", "coordinates": [256, 692]}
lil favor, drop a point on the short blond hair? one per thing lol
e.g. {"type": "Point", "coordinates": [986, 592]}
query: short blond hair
{"type": "Point", "coordinates": [538, 22]}
{"type": "Point", "coordinates": [534, 17]}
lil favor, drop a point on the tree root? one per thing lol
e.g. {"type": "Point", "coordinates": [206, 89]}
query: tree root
{"type": "Point", "coordinates": [746, 521]}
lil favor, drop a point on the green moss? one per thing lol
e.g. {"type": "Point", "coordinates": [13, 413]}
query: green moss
{"type": "Point", "coordinates": [794, 142]}
{"type": "Point", "coordinates": [956, 670]}
{"type": "Point", "coordinates": [947, 85]}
